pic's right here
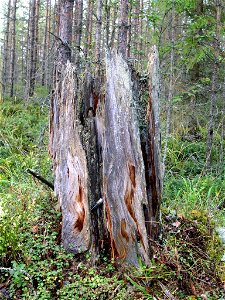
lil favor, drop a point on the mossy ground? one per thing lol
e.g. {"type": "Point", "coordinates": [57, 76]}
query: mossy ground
{"type": "Point", "coordinates": [186, 263]}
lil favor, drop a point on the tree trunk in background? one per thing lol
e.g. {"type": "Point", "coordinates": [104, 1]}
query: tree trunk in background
{"type": "Point", "coordinates": [142, 51]}
{"type": "Point", "coordinates": [170, 93]}
{"type": "Point", "coordinates": [13, 49]}
{"type": "Point", "coordinates": [23, 46]}
{"type": "Point", "coordinates": [113, 31]}
{"type": "Point", "coordinates": [196, 71]}
{"type": "Point", "coordinates": [43, 77]}
{"type": "Point", "coordinates": [129, 32]}
{"type": "Point", "coordinates": [50, 47]}
{"type": "Point", "coordinates": [78, 20]}
{"type": "Point", "coordinates": [107, 21]}
{"type": "Point", "coordinates": [123, 28]}
{"type": "Point", "coordinates": [56, 18]}
{"type": "Point", "coordinates": [36, 45]}
{"type": "Point", "coordinates": [98, 31]}
{"type": "Point", "coordinates": [213, 100]}
{"type": "Point", "coordinates": [31, 79]}
{"type": "Point", "coordinates": [28, 52]}
{"type": "Point", "coordinates": [89, 21]}
{"type": "Point", "coordinates": [5, 69]}
{"type": "Point", "coordinates": [136, 27]}
{"type": "Point", "coordinates": [32, 47]}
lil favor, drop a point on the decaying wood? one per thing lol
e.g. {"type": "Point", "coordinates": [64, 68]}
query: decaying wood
{"type": "Point", "coordinates": [151, 151]}
{"type": "Point", "coordinates": [123, 169]}
{"type": "Point", "coordinates": [98, 159]}
{"type": "Point", "coordinates": [41, 178]}
{"type": "Point", "coordinates": [70, 164]}
{"type": "Point", "coordinates": [91, 98]}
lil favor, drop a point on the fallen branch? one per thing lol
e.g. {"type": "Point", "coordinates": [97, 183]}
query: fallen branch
{"type": "Point", "coordinates": [42, 179]}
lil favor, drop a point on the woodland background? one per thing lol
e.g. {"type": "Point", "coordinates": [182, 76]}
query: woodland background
{"type": "Point", "coordinates": [189, 36]}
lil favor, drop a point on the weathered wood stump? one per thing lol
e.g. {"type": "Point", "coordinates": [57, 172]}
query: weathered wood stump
{"type": "Point", "coordinates": [97, 154]}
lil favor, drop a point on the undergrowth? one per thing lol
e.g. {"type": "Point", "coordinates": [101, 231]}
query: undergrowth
{"type": "Point", "coordinates": [186, 187]}
{"type": "Point", "coordinates": [186, 262]}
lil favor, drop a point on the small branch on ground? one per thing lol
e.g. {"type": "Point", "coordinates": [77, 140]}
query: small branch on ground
{"type": "Point", "coordinates": [42, 179]}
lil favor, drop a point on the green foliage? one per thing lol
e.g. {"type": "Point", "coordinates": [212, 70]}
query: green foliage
{"type": "Point", "coordinates": [20, 131]}
{"type": "Point", "coordinates": [30, 221]}
{"type": "Point", "coordinates": [191, 253]}
{"type": "Point", "coordinates": [185, 187]}
{"type": "Point", "coordinates": [93, 286]}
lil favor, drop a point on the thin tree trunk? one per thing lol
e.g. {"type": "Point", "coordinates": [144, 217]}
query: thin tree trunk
{"type": "Point", "coordinates": [50, 49]}
{"type": "Point", "coordinates": [209, 141]}
{"type": "Point", "coordinates": [141, 31]}
{"type": "Point", "coordinates": [5, 68]}
{"type": "Point", "coordinates": [13, 49]}
{"type": "Point", "coordinates": [129, 34]}
{"type": "Point", "coordinates": [28, 53]}
{"type": "Point", "coordinates": [170, 94]}
{"type": "Point", "coordinates": [31, 78]}
{"type": "Point", "coordinates": [35, 53]}
{"type": "Point", "coordinates": [136, 28]}
{"type": "Point", "coordinates": [211, 125]}
{"type": "Point", "coordinates": [22, 59]}
{"type": "Point", "coordinates": [113, 32]}
{"type": "Point", "coordinates": [43, 78]}
{"type": "Point", "coordinates": [78, 22]}
{"type": "Point", "coordinates": [107, 21]}
{"type": "Point", "coordinates": [98, 31]}
{"type": "Point", "coordinates": [89, 21]}
{"type": "Point", "coordinates": [123, 27]}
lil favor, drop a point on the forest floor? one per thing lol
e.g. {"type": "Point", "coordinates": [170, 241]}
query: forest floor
{"type": "Point", "coordinates": [187, 259]}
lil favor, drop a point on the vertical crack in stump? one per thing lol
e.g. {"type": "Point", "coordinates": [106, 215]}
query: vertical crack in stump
{"type": "Point", "coordinates": [151, 150]}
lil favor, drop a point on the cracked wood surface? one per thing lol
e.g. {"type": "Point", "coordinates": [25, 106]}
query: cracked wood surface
{"type": "Point", "coordinates": [96, 150]}
{"type": "Point", "coordinates": [70, 164]}
{"type": "Point", "coordinates": [124, 188]}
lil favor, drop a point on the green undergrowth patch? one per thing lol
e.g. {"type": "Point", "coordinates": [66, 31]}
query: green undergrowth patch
{"type": "Point", "coordinates": [204, 194]}
{"type": "Point", "coordinates": [187, 262]}
{"type": "Point", "coordinates": [186, 185]}
{"type": "Point", "coordinates": [34, 265]}
{"type": "Point", "coordinates": [23, 144]}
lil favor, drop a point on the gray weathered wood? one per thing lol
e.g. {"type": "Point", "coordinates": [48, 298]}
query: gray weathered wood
{"type": "Point", "coordinates": [124, 188]}
{"type": "Point", "coordinates": [70, 164]}
{"type": "Point", "coordinates": [96, 149]}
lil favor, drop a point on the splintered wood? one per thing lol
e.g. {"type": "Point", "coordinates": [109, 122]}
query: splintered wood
{"type": "Point", "coordinates": [124, 188]}
{"type": "Point", "coordinates": [69, 162]}
{"type": "Point", "coordinates": [97, 154]}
